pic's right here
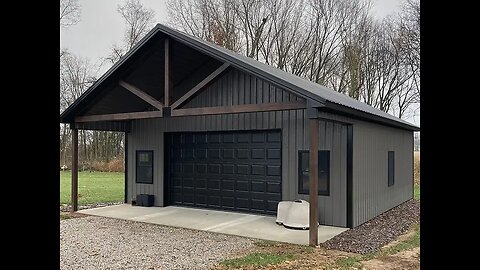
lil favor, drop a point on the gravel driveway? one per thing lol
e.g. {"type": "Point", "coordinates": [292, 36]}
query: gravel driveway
{"type": "Point", "coordinates": [104, 243]}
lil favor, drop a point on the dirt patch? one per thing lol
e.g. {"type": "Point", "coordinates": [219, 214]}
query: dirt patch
{"type": "Point", "coordinates": [405, 260]}
{"type": "Point", "coordinates": [377, 232]}
{"type": "Point", "coordinates": [304, 257]}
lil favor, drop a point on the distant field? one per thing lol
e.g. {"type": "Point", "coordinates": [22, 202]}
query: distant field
{"type": "Point", "coordinates": [93, 187]}
{"type": "Point", "coordinates": [416, 174]}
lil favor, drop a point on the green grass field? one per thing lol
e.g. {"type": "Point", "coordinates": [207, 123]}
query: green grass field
{"type": "Point", "coordinates": [416, 192]}
{"type": "Point", "coordinates": [93, 187]}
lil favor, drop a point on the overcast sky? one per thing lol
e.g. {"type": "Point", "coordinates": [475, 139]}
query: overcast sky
{"type": "Point", "coordinates": [101, 26]}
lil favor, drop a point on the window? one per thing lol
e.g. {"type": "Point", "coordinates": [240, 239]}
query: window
{"type": "Point", "coordinates": [323, 172]}
{"type": "Point", "coordinates": [144, 167]}
{"type": "Point", "coordinates": [391, 168]}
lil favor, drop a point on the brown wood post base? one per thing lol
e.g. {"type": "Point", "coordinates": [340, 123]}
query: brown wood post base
{"type": "Point", "coordinates": [313, 182]}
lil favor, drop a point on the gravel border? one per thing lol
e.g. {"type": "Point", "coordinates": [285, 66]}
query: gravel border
{"type": "Point", "coordinates": [379, 231]}
{"type": "Point", "coordinates": [66, 207]}
{"type": "Point", "coordinates": [105, 243]}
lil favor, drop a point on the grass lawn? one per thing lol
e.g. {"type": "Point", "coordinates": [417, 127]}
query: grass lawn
{"type": "Point", "coordinates": [416, 191]}
{"type": "Point", "coordinates": [93, 187]}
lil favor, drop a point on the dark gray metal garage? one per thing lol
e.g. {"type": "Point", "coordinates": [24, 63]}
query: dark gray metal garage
{"type": "Point", "coordinates": [206, 127]}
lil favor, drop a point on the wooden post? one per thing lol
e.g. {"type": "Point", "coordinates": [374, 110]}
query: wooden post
{"type": "Point", "coordinates": [313, 182]}
{"type": "Point", "coordinates": [168, 74]}
{"type": "Point", "coordinates": [74, 207]}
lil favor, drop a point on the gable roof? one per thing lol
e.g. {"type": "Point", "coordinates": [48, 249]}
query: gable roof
{"type": "Point", "coordinates": [332, 100]}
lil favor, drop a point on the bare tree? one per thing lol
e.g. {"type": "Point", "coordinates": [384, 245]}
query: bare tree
{"type": "Point", "coordinates": [69, 12]}
{"type": "Point", "coordinates": [76, 75]}
{"type": "Point", "coordinates": [337, 43]}
{"type": "Point", "coordinates": [138, 20]}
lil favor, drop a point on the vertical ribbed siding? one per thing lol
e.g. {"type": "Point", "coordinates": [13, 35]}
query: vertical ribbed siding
{"type": "Point", "coordinates": [371, 193]}
{"type": "Point", "coordinates": [146, 135]}
{"type": "Point", "coordinates": [370, 141]}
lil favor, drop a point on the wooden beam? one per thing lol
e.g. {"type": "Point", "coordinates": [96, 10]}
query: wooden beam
{"type": "Point", "coordinates": [119, 116]}
{"type": "Point", "coordinates": [168, 73]}
{"type": "Point", "coordinates": [199, 86]}
{"type": "Point", "coordinates": [141, 94]}
{"type": "Point", "coordinates": [245, 108]}
{"type": "Point", "coordinates": [313, 183]}
{"type": "Point", "coordinates": [74, 194]}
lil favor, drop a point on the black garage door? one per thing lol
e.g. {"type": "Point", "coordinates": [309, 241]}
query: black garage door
{"type": "Point", "coordinates": [233, 170]}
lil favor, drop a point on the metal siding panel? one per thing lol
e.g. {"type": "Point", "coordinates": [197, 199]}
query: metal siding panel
{"type": "Point", "coordinates": [253, 100]}
{"type": "Point", "coordinates": [336, 180]}
{"type": "Point", "coordinates": [372, 196]}
{"type": "Point", "coordinates": [343, 175]}
{"type": "Point", "coordinates": [278, 115]}
{"type": "Point", "coordinates": [288, 193]}
{"type": "Point", "coordinates": [292, 153]}
{"type": "Point", "coordinates": [328, 146]}
{"type": "Point", "coordinates": [228, 85]}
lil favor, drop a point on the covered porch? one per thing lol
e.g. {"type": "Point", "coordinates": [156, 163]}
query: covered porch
{"type": "Point", "coordinates": [240, 224]}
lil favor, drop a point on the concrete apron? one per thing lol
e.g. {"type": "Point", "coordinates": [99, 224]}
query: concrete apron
{"type": "Point", "coordinates": [247, 225]}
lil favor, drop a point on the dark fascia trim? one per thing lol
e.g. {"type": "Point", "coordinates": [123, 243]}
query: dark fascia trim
{"type": "Point", "coordinates": [136, 165]}
{"type": "Point", "coordinates": [347, 111]}
{"type": "Point", "coordinates": [299, 182]}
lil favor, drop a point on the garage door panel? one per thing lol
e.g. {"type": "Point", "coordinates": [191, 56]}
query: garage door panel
{"type": "Point", "coordinates": [201, 168]}
{"type": "Point", "coordinates": [258, 153]}
{"type": "Point", "coordinates": [242, 186]}
{"type": "Point", "coordinates": [213, 201]}
{"type": "Point", "coordinates": [228, 185]}
{"type": "Point", "coordinates": [213, 184]}
{"type": "Point", "coordinates": [228, 138]}
{"type": "Point", "coordinates": [213, 153]}
{"type": "Point", "coordinates": [234, 170]}
{"type": "Point", "coordinates": [188, 182]}
{"type": "Point", "coordinates": [273, 170]}
{"type": "Point", "coordinates": [213, 168]}
{"type": "Point", "coordinates": [243, 169]}
{"type": "Point", "coordinates": [200, 153]}
{"type": "Point", "coordinates": [228, 153]}
{"type": "Point", "coordinates": [200, 199]}
{"type": "Point", "coordinates": [228, 202]}
{"type": "Point", "coordinates": [228, 168]}
{"type": "Point", "coordinates": [258, 186]}
{"type": "Point", "coordinates": [243, 153]}
{"type": "Point", "coordinates": [274, 154]}
{"type": "Point", "coordinates": [258, 169]}
{"type": "Point", "coordinates": [273, 187]}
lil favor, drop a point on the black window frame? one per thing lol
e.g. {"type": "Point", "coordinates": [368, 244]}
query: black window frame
{"type": "Point", "coordinates": [325, 192]}
{"type": "Point", "coordinates": [391, 168]}
{"type": "Point", "coordinates": [138, 152]}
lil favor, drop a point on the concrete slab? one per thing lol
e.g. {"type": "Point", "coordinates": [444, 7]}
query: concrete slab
{"type": "Point", "coordinates": [247, 225]}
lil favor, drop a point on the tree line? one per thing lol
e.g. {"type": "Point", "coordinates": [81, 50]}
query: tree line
{"type": "Point", "coordinates": [336, 43]}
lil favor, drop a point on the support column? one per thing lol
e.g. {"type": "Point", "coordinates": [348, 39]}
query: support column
{"type": "Point", "coordinates": [313, 182]}
{"type": "Point", "coordinates": [168, 74]}
{"type": "Point", "coordinates": [74, 207]}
